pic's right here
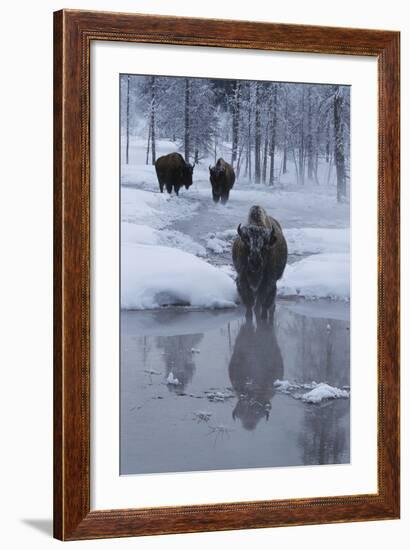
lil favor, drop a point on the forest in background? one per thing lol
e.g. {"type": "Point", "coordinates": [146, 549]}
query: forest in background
{"type": "Point", "coordinates": [267, 127]}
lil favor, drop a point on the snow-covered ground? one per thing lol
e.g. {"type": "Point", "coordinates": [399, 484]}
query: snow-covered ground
{"type": "Point", "coordinates": [318, 276]}
{"type": "Point", "coordinates": [153, 276]}
{"type": "Point", "coordinates": [176, 250]}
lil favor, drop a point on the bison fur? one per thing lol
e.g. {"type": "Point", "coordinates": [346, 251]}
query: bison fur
{"type": "Point", "coordinates": [222, 178]}
{"type": "Point", "coordinates": [173, 172]}
{"type": "Point", "coordinates": [259, 255]}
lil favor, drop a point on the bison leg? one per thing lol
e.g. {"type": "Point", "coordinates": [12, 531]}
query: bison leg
{"type": "Point", "coordinates": [246, 294]}
{"type": "Point", "coordinates": [258, 307]}
{"type": "Point", "coordinates": [161, 187]}
{"type": "Point", "coordinates": [176, 189]}
{"type": "Point", "coordinates": [215, 197]}
{"type": "Point", "coordinates": [224, 198]}
{"type": "Point", "coordinates": [169, 187]}
{"type": "Point", "coordinates": [267, 299]}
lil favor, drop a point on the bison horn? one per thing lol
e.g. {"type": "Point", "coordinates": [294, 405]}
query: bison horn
{"type": "Point", "coordinates": [210, 168]}
{"type": "Point", "coordinates": [239, 230]}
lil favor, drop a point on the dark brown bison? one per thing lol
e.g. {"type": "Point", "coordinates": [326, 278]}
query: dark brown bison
{"type": "Point", "coordinates": [173, 172]}
{"type": "Point", "coordinates": [222, 178]}
{"type": "Point", "coordinates": [255, 364]}
{"type": "Point", "coordinates": [259, 255]}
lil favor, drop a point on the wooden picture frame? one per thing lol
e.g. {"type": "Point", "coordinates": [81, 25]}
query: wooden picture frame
{"type": "Point", "coordinates": [74, 32]}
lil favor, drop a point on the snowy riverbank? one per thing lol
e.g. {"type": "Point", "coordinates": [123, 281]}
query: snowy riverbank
{"type": "Point", "coordinates": [162, 265]}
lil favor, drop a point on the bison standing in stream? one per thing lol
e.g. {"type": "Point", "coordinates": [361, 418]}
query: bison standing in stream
{"type": "Point", "coordinates": [222, 178]}
{"type": "Point", "coordinates": [173, 172]}
{"type": "Point", "coordinates": [259, 255]}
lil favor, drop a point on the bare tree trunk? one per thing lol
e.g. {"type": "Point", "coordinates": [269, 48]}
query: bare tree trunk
{"type": "Point", "coordinates": [148, 144]}
{"type": "Point", "coordinates": [301, 170]}
{"type": "Point", "coordinates": [153, 108]}
{"type": "Point", "coordinates": [285, 147]}
{"type": "Point", "coordinates": [328, 140]}
{"type": "Point", "coordinates": [329, 168]}
{"type": "Point", "coordinates": [239, 162]}
{"type": "Point", "coordinates": [296, 164]}
{"type": "Point", "coordinates": [273, 137]}
{"type": "Point", "coordinates": [127, 146]}
{"type": "Point", "coordinates": [257, 134]}
{"type": "Point", "coordinates": [339, 144]}
{"type": "Point", "coordinates": [309, 139]}
{"type": "Point", "coordinates": [187, 119]}
{"type": "Point", "coordinates": [235, 121]}
{"type": "Point", "coordinates": [265, 150]}
{"type": "Point", "coordinates": [249, 158]}
{"type": "Point", "coordinates": [315, 174]}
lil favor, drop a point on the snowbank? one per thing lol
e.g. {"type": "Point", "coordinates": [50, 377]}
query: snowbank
{"type": "Point", "coordinates": [137, 233]}
{"type": "Point", "coordinates": [317, 393]}
{"type": "Point", "coordinates": [143, 234]}
{"type": "Point", "coordinates": [318, 276]}
{"type": "Point", "coordinates": [153, 276]}
{"type": "Point", "coordinates": [156, 210]}
{"type": "Point", "coordinates": [316, 240]}
{"type": "Point", "coordinates": [216, 245]}
{"type": "Point", "coordinates": [323, 392]}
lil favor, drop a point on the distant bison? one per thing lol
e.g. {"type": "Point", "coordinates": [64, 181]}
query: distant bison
{"type": "Point", "coordinates": [222, 178]}
{"type": "Point", "coordinates": [259, 255]}
{"type": "Point", "coordinates": [173, 172]}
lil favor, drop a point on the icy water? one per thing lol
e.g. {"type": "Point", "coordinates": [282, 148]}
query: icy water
{"type": "Point", "coordinates": [198, 393]}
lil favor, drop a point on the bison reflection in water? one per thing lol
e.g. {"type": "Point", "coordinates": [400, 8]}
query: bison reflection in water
{"type": "Point", "coordinates": [179, 357]}
{"type": "Point", "coordinates": [255, 364]}
{"type": "Point", "coordinates": [173, 172]}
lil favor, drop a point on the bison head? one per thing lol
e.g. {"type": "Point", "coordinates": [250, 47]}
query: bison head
{"type": "Point", "coordinates": [187, 172]}
{"type": "Point", "coordinates": [219, 169]}
{"type": "Point", "coordinates": [257, 242]}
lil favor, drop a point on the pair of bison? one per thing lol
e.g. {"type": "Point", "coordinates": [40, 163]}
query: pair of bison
{"type": "Point", "coordinates": [173, 173]}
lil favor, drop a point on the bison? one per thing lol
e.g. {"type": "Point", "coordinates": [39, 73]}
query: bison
{"type": "Point", "coordinates": [222, 178]}
{"type": "Point", "coordinates": [255, 364]}
{"type": "Point", "coordinates": [173, 172]}
{"type": "Point", "coordinates": [259, 255]}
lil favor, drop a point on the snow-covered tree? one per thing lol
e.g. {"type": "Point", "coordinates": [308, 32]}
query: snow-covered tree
{"type": "Point", "coordinates": [262, 128]}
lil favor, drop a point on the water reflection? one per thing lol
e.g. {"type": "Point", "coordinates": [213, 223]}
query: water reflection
{"type": "Point", "coordinates": [315, 348]}
{"type": "Point", "coordinates": [219, 354]}
{"type": "Point", "coordinates": [255, 364]}
{"type": "Point", "coordinates": [324, 438]}
{"type": "Point", "coordinates": [179, 356]}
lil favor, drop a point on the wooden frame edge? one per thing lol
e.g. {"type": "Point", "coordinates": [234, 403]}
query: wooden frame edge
{"type": "Point", "coordinates": [73, 32]}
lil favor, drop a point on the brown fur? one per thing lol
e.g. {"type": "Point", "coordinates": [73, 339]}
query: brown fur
{"type": "Point", "coordinates": [173, 172]}
{"type": "Point", "coordinates": [222, 178]}
{"type": "Point", "coordinates": [263, 234]}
